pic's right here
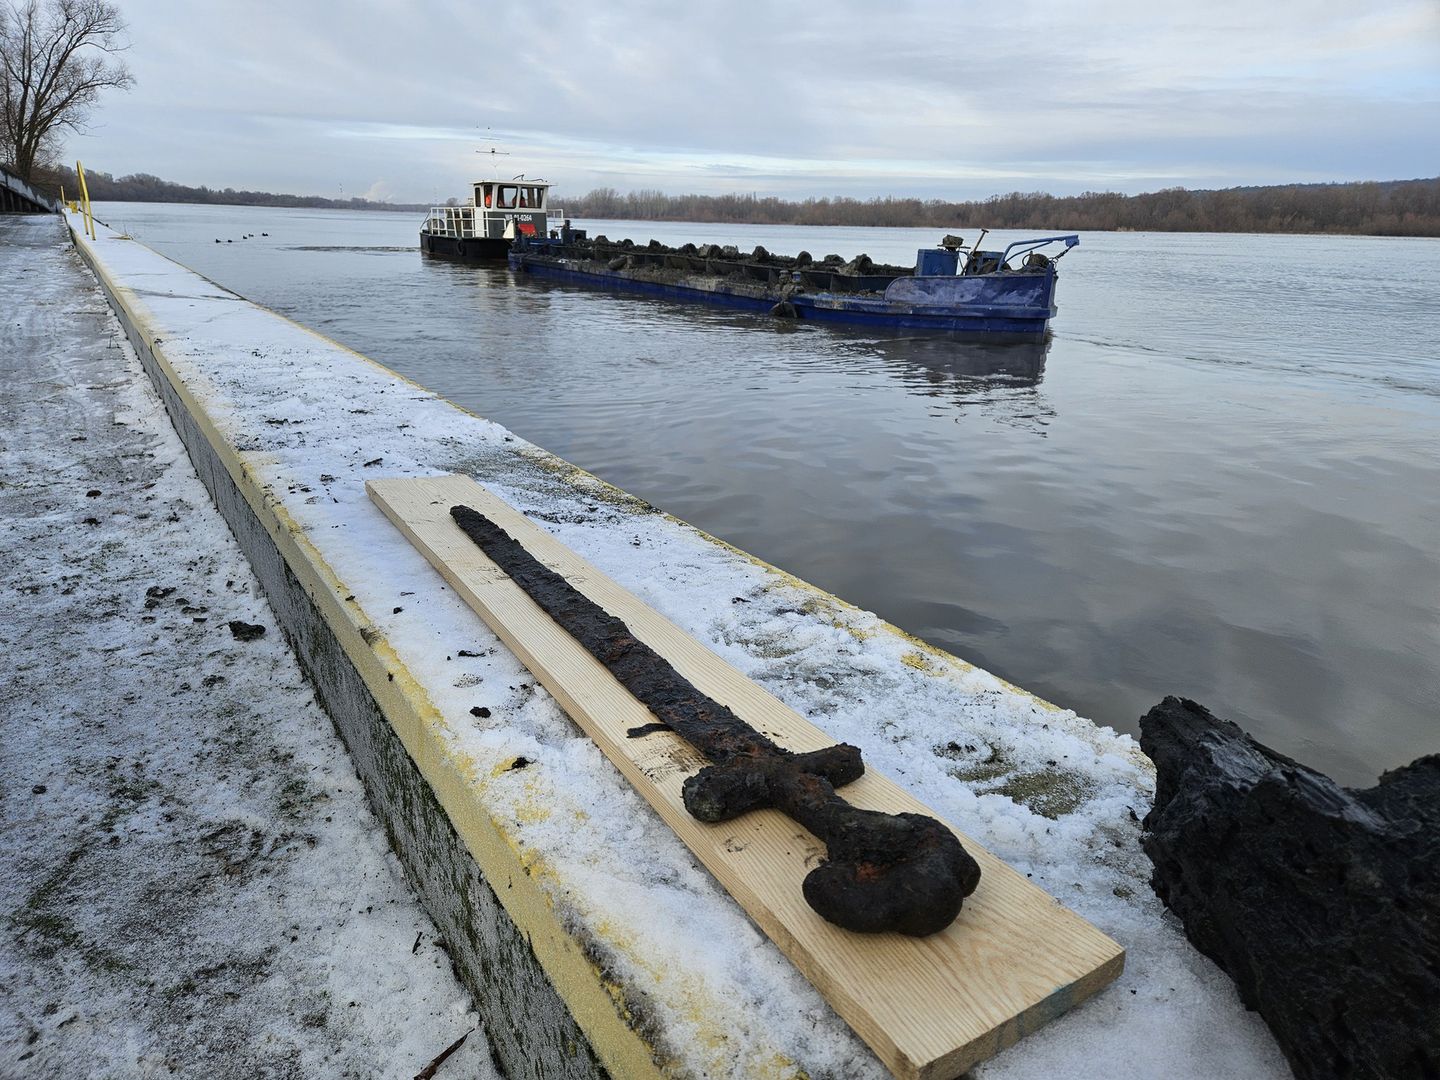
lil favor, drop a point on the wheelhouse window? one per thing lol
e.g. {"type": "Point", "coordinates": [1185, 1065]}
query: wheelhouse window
{"type": "Point", "coordinates": [510, 196]}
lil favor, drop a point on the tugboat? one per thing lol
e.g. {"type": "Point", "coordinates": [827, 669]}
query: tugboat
{"type": "Point", "coordinates": [487, 224]}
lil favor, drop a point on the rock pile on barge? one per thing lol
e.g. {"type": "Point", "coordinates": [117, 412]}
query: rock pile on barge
{"type": "Point", "coordinates": [673, 265]}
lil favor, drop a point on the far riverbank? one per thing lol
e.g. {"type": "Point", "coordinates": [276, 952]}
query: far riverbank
{"type": "Point", "coordinates": [1370, 208]}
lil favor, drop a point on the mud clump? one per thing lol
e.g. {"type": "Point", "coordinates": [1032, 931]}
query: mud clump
{"type": "Point", "coordinates": [244, 631]}
{"type": "Point", "coordinates": [1321, 902]}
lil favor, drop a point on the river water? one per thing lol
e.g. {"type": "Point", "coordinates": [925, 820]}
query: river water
{"type": "Point", "coordinates": [1220, 478]}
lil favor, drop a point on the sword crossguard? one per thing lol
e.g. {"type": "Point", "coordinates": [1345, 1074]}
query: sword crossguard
{"type": "Point", "coordinates": [747, 782]}
{"type": "Point", "coordinates": [902, 872]}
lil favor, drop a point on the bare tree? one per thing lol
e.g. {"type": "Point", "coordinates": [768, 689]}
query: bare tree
{"type": "Point", "coordinates": [56, 56]}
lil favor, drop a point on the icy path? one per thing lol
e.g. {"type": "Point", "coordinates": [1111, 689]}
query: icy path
{"type": "Point", "coordinates": [190, 881]}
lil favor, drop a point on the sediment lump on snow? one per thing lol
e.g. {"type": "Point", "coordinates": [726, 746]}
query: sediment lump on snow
{"type": "Point", "coordinates": [1322, 902]}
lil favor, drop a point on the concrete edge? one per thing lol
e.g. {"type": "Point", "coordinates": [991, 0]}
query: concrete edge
{"type": "Point", "coordinates": [549, 1009]}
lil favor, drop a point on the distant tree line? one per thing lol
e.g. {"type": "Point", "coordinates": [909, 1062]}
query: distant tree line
{"type": "Point", "coordinates": [141, 187]}
{"type": "Point", "coordinates": [1376, 208]}
{"type": "Point", "coordinates": [1379, 208]}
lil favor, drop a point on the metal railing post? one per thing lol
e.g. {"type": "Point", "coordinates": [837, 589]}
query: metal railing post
{"type": "Point", "coordinates": [85, 200]}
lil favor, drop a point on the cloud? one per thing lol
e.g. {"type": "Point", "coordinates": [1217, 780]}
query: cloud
{"type": "Point", "coordinates": [931, 99]}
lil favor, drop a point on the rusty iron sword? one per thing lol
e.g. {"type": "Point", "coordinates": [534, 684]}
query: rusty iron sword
{"type": "Point", "coordinates": [902, 872]}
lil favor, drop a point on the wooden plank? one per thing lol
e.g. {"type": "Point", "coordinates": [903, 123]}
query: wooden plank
{"type": "Point", "coordinates": [929, 1007]}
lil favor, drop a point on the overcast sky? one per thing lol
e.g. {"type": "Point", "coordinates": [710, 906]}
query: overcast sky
{"type": "Point", "coordinates": [954, 99]}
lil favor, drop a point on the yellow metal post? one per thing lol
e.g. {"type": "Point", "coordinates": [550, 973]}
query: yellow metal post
{"type": "Point", "coordinates": [85, 200]}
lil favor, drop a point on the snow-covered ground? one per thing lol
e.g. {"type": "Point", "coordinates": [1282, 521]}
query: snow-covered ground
{"type": "Point", "coordinates": [191, 883]}
{"type": "Point", "coordinates": [1049, 792]}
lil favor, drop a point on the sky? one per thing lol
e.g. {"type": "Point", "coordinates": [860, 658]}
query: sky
{"type": "Point", "coordinates": [959, 100]}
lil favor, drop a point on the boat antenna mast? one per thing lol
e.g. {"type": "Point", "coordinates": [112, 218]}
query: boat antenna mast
{"type": "Point", "coordinates": [494, 154]}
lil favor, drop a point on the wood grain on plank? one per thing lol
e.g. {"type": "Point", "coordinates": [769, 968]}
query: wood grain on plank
{"type": "Point", "coordinates": [930, 1007]}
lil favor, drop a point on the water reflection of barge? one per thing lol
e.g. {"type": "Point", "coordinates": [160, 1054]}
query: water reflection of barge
{"type": "Point", "coordinates": [959, 370]}
{"type": "Point", "coordinates": [996, 377]}
{"type": "Point", "coordinates": [1007, 294]}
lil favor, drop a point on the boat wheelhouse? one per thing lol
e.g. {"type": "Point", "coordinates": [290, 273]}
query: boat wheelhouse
{"type": "Point", "coordinates": [484, 227]}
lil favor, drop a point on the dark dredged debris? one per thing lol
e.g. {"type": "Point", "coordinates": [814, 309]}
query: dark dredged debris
{"type": "Point", "coordinates": [245, 631]}
{"type": "Point", "coordinates": [901, 872]}
{"type": "Point", "coordinates": [1322, 902]}
{"type": "Point", "coordinates": [429, 1071]}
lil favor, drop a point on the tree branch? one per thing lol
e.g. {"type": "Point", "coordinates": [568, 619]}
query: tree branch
{"type": "Point", "coordinates": [53, 66]}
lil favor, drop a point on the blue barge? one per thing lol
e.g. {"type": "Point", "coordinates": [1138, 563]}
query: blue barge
{"type": "Point", "coordinates": [1007, 294]}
